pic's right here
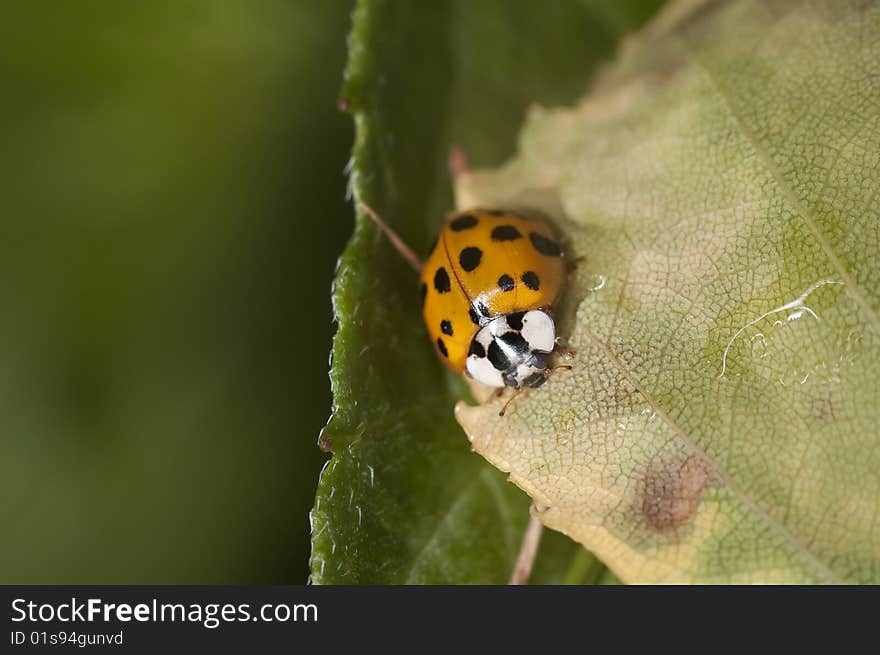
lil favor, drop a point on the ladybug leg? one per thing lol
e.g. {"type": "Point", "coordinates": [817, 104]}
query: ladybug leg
{"type": "Point", "coordinates": [527, 552]}
{"type": "Point", "coordinates": [549, 371]}
{"type": "Point", "coordinates": [565, 352]}
{"type": "Point", "coordinates": [564, 367]}
{"type": "Point", "coordinates": [399, 244]}
{"type": "Point", "coordinates": [573, 264]}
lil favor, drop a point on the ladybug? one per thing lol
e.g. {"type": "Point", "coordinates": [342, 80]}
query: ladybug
{"type": "Point", "coordinates": [488, 289]}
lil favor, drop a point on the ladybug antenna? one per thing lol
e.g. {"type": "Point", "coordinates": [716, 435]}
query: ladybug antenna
{"type": "Point", "coordinates": [395, 240]}
{"type": "Point", "coordinates": [510, 400]}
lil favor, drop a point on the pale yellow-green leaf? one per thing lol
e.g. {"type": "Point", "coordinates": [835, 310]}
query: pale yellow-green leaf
{"type": "Point", "coordinates": [721, 183]}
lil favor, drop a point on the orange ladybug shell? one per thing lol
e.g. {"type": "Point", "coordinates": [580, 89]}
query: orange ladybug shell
{"type": "Point", "coordinates": [486, 263]}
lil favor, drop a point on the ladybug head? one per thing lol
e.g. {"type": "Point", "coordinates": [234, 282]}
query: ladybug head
{"type": "Point", "coordinates": [513, 350]}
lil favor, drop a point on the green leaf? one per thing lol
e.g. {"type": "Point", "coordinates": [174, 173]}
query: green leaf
{"type": "Point", "coordinates": [721, 420]}
{"type": "Point", "coordinates": [403, 499]}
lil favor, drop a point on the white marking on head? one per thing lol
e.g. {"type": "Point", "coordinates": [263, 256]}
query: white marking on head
{"type": "Point", "coordinates": [485, 336]}
{"type": "Point", "coordinates": [539, 330]}
{"type": "Point", "coordinates": [482, 371]}
{"type": "Point", "coordinates": [497, 326]}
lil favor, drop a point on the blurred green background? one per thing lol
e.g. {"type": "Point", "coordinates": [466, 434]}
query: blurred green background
{"type": "Point", "coordinates": [174, 205]}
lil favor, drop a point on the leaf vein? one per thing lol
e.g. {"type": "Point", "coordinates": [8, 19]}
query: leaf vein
{"type": "Point", "coordinates": [772, 522]}
{"type": "Point", "coordinates": [853, 288]}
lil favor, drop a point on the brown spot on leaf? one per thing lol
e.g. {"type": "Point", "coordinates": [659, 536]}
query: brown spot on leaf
{"type": "Point", "coordinates": [325, 444]}
{"type": "Point", "coordinates": [672, 490]}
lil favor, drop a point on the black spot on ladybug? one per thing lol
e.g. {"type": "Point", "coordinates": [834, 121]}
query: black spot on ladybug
{"type": "Point", "coordinates": [463, 223]}
{"type": "Point", "coordinates": [441, 280]}
{"type": "Point", "coordinates": [516, 341]}
{"type": "Point", "coordinates": [506, 282]}
{"type": "Point", "coordinates": [535, 380]}
{"type": "Point", "coordinates": [544, 245]}
{"type": "Point", "coordinates": [470, 258]}
{"type": "Point", "coordinates": [477, 349]}
{"type": "Point", "coordinates": [505, 233]}
{"type": "Point", "coordinates": [497, 357]}
{"type": "Point", "coordinates": [423, 292]}
{"type": "Point", "coordinates": [446, 327]}
{"type": "Point", "coordinates": [442, 348]}
{"type": "Point", "coordinates": [514, 320]}
{"type": "Point", "coordinates": [530, 279]}
{"type": "Point", "coordinates": [475, 318]}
